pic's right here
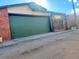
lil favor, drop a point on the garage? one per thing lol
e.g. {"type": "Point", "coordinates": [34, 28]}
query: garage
{"type": "Point", "coordinates": [28, 25]}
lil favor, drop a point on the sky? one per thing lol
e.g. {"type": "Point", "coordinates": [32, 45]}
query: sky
{"type": "Point", "coordinates": [61, 6]}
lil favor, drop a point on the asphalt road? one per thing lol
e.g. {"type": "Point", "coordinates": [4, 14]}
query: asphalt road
{"type": "Point", "coordinates": [61, 46]}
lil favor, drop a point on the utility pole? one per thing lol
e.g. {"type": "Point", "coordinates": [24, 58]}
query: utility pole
{"type": "Point", "coordinates": [75, 15]}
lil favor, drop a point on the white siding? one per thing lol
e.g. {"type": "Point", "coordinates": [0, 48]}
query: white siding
{"type": "Point", "coordinates": [24, 9]}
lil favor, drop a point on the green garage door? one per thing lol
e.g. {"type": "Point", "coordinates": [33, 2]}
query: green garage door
{"type": "Point", "coordinates": [22, 26]}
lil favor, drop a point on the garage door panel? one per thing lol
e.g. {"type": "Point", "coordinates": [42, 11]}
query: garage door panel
{"type": "Point", "coordinates": [22, 26]}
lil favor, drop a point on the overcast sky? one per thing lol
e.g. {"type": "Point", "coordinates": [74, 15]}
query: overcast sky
{"type": "Point", "coordinates": [62, 6]}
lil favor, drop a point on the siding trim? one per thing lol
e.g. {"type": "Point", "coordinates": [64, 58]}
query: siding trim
{"type": "Point", "coordinates": [16, 14]}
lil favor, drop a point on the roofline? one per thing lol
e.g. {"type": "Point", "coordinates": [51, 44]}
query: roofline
{"type": "Point", "coordinates": [38, 5]}
{"type": "Point", "coordinates": [52, 12]}
{"type": "Point", "coordinates": [19, 4]}
{"type": "Point", "coordinates": [15, 5]}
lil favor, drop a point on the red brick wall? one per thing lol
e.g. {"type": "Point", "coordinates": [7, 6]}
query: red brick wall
{"type": "Point", "coordinates": [4, 25]}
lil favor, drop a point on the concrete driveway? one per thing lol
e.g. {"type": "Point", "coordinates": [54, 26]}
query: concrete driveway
{"type": "Point", "coordinates": [62, 46]}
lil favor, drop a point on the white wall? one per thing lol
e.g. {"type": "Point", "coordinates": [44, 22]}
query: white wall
{"type": "Point", "coordinates": [24, 9]}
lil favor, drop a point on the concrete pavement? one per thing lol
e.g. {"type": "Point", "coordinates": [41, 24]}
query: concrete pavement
{"type": "Point", "coordinates": [53, 46]}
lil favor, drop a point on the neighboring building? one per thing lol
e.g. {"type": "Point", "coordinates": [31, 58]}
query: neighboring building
{"type": "Point", "coordinates": [59, 21]}
{"type": "Point", "coordinates": [11, 17]}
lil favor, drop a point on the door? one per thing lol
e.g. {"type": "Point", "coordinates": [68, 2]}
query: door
{"type": "Point", "coordinates": [23, 26]}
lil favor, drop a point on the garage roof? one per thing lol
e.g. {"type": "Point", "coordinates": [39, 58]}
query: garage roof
{"type": "Point", "coordinates": [7, 3]}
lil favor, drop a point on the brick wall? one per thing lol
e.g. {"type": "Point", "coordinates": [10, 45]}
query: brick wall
{"type": "Point", "coordinates": [4, 25]}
